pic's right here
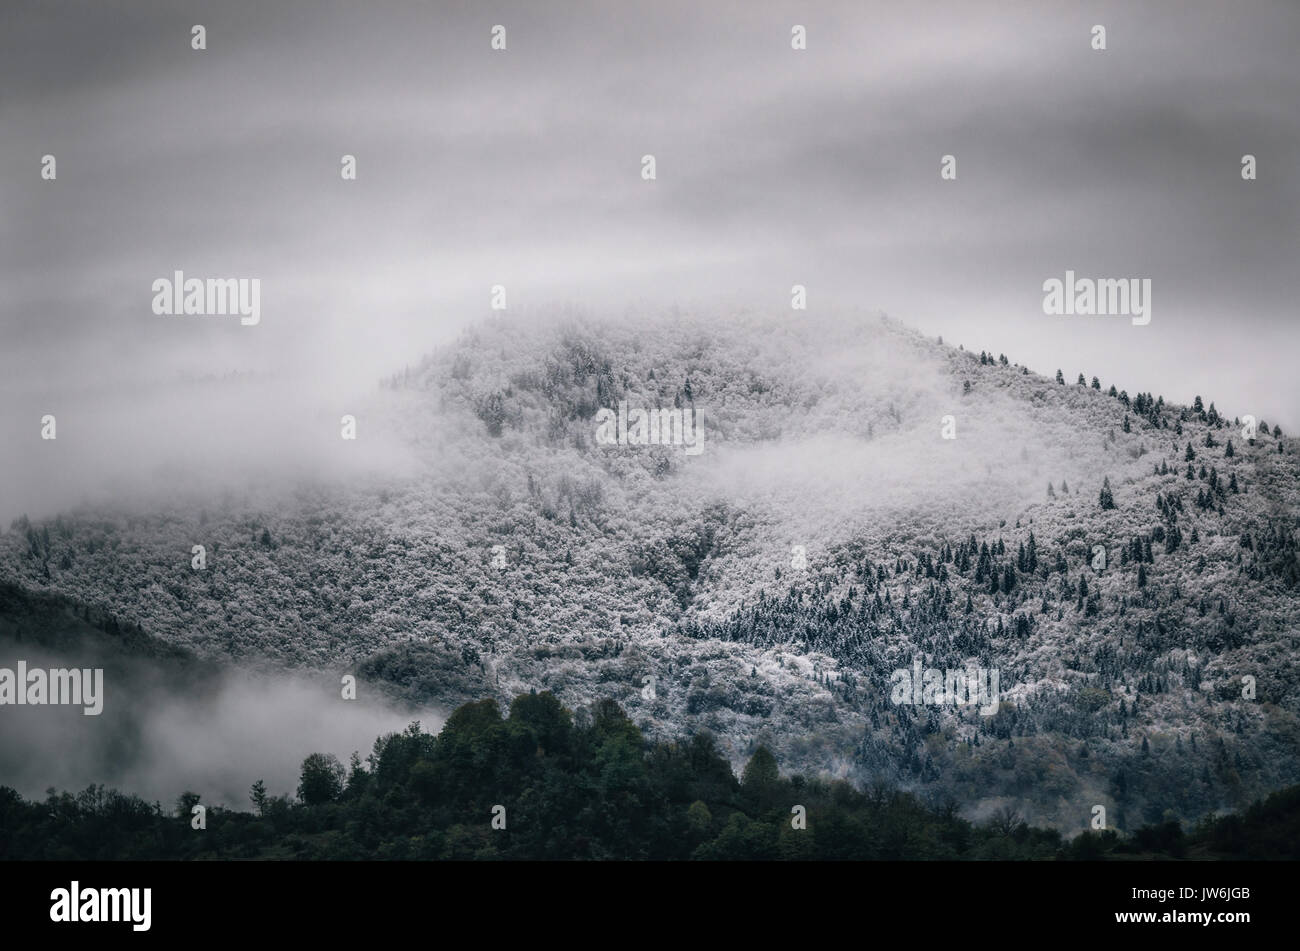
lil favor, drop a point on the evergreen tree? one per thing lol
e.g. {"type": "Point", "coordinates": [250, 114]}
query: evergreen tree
{"type": "Point", "coordinates": [761, 777]}
{"type": "Point", "coordinates": [1106, 499]}
{"type": "Point", "coordinates": [257, 794]}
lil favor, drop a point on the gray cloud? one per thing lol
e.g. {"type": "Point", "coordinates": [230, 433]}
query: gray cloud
{"type": "Point", "coordinates": [522, 168]}
{"type": "Point", "coordinates": [162, 732]}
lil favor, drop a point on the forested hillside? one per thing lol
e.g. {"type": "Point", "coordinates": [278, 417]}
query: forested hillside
{"type": "Point", "coordinates": [765, 589]}
{"type": "Point", "coordinates": [542, 783]}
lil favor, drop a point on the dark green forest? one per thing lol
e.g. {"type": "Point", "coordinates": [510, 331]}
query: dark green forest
{"type": "Point", "coordinates": [546, 783]}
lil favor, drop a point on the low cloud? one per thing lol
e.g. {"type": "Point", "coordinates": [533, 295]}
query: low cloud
{"type": "Point", "coordinates": [165, 730]}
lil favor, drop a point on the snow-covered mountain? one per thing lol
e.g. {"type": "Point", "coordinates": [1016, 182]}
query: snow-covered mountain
{"type": "Point", "coordinates": [863, 499]}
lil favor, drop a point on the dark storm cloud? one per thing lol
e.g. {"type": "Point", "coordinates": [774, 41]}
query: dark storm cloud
{"type": "Point", "coordinates": [522, 168]}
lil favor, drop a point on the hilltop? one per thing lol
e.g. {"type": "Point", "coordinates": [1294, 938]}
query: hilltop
{"type": "Point", "coordinates": [827, 535]}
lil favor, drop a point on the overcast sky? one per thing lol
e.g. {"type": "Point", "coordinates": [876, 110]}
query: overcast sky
{"type": "Point", "coordinates": [522, 168]}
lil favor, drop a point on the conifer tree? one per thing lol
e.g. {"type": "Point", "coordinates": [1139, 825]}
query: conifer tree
{"type": "Point", "coordinates": [1107, 500]}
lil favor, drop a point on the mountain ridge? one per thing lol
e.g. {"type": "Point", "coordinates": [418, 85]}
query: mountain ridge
{"type": "Point", "coordinates": [625, 563]}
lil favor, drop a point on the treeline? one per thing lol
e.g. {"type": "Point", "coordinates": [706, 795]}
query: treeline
{"type": "Point", "coordinates": [543, 783]}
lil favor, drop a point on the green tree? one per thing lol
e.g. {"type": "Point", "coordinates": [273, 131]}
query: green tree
{"type": "Point", "coordinates": [322, 779]}
{"type": "Point", "coordinates": [742, 839]}
{"type": "Point", "coordinates": [258, 796]}
{"type": "Point", "coordinates": [546, 717]}
{"type": "Point", "coordinates": [185, 804]}
{"type": "Point", "coordinates": [761, 779]}
{"type": "Point", "coordinates": [699, 820]}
